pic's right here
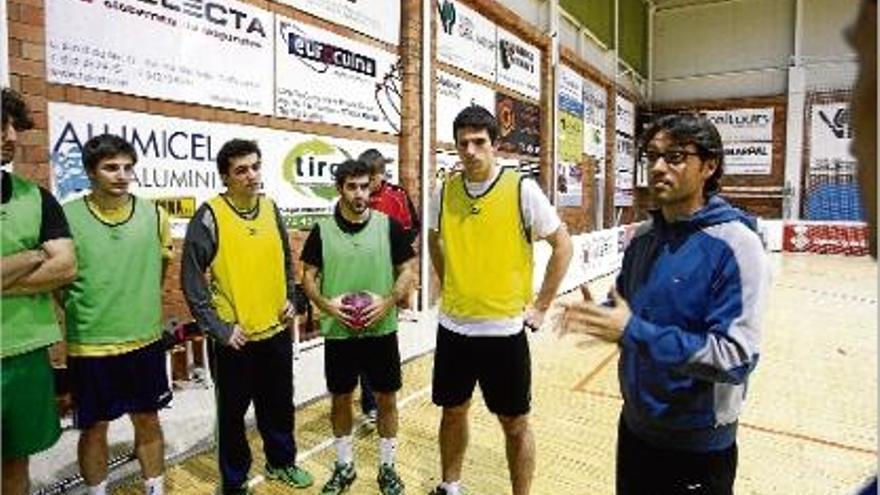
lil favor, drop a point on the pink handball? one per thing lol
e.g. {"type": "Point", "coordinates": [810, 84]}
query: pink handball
{"type": "Point", "coordinates": [356, 303]}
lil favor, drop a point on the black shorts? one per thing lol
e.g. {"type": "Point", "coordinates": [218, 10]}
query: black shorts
{"type": "Point", "coordinates": [501, 365]}
{"type": "Point", "coordinates": [378, 358]}
{"type": "Point", "coordinates": [104, 388]}
{"type": "Point", "coordinates": [643, 468]}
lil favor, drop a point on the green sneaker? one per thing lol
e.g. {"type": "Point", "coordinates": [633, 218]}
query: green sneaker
{"type": "Point", "coordinates": [294, 476]}
{"type": "Point", "coordinates": [389, 481]}
{"type": "Point", "coordinates": [342, 478]}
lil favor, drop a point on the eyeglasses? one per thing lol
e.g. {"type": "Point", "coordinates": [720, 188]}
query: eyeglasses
{"type": "Point", "coordinates": [672, 157]}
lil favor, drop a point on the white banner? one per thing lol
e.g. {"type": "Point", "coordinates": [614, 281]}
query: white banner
{"type": "Point", "coordinates": [379, 19]}
{"type": "Point", "coordinates": [453, 95]}
{"type": "Point", "coordinates": [624, 165]}
{"type": "Point", "coordinates": [743, 124]}
{"type": "Point", "coordinates": [519, 65]}
{"type": "Point", "coordinates": [177, 159]}
{"type": "Point", "coordinates": [748, 158]}
{"type": "Point", "coordinates": [323, 77]}
{"type": "Point", "coordinates": [466, 39]}
{"type": "Point", "coordinates": [216, 53]}
{"type": "Point", "coordinates": [595, 105]}
{"type": "Point", "coordinates": [571, 89]}
{"type": "Point", "coordinates": [626, 116]}
{"type": "Point", "coordinates": [830, 132]}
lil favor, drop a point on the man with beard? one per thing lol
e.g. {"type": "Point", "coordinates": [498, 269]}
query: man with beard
{"type": "Point", "coordinates": [359, 254]}
{"type": "Point", "coordinates": [686, 312]}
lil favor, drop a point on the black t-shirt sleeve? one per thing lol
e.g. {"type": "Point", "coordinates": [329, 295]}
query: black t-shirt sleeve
{"type": "Point", "coordinates": [401, 245]}
{"type": "Point", "coordinates": [311, 251]}
{"type": "Point", "coordinates": [54, 225]}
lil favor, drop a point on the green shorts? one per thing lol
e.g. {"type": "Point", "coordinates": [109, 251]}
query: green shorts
{"type": "Point", "coordinates": [30, 417]}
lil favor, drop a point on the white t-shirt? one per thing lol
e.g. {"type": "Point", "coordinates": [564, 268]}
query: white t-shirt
{"type": "Point", "coordinates": [540, 218]}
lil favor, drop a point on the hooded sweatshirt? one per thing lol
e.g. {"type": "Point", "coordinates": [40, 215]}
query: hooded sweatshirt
{"type": "Point", "coordinates": [696, 289]}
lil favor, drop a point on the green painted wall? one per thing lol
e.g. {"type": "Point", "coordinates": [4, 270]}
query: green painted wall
{"type": "Point", "coordinates": [598, 17]}
{"type": "Point", "coordinates": [595, 15]}
{"type": "Point", "coordinates": [634, 34]}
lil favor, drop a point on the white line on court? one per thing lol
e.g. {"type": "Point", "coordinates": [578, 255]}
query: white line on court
{"type": "Point", "coordinates": [256, 480]}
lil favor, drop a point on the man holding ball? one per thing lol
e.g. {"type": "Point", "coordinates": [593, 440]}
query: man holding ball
{"type": "Point", "coordinates": [358, 265]}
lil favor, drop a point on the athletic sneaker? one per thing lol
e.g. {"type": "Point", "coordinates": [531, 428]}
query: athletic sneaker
{"type": "Point", "coordinates": [294, 476]}
{"type": "Point", "coordinates": [389, 481]}
{"type": "Point", "coordinates": [442, 491]}
{"type": "Point", "coordinates": [371, 416]}
{"type": "Point", "coordinates": [342, 478]}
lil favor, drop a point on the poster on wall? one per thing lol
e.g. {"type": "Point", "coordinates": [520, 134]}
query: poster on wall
{"type": "Point", "coordinates": [747, 134]}
{"type": "Point", "coordinates": [216, 53]}
{"type": "Point", "coordinates": [571, 111]}
{"type": "Point", "coordinates": [625, 152]}
{"type": "Point", "coordinates": [748, 158]}
{"type": "Point", "coordinates": [595, 104]}
{"type": "Point", "coordinates": [323, 77]}
{"type": "Point", "coordinates": [453, 95]}
{"type": "Point", "coordinates": [832, 189]}
{"type": "Point", "coordinates": [519, 125]}
{"type": "Point", "coordinates": [177, 160]}
{"type": "Point", "coordinates": [519, 65]}
{"type": "Point", "coordinates": [466, 39]}
{"type": "Point", "coordinates": [743, 124]}
{"type": "Point", "coordinates": [624, 160]}
{"type": "Point", "coordinates": [569, 184]}
{"type": "Point", "coordinates": [831, 132]}
{"type": "Point", "coordinates": [379, 19]}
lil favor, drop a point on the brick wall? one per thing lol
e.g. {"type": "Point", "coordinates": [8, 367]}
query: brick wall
{"type": "Point", "coordinates": [26, 37]}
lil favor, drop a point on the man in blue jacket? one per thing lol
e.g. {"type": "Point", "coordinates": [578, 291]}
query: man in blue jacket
{"type": "Point", "coordinates": [686, 312]}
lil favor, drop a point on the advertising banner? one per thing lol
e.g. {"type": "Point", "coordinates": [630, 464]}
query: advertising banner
{"type": "Point", "coordinates": [323, 77]}
{"type": "Point", "coordinates": [624, 164]}
{"type": "Point", "coordinates": [569, 184]}
{"type": "Point", "coordinates": [743, 124]}
{"type": "Point", "coordinates": [595, 105]}
{"type": "Point", "coordinates": [748, 158]}
{"type": "Point", "coordinates": [466, 39]}
{"type": "Point", "coordinates": [213, 52]}
{"type": "Point", "coordinates": [519, 125]}
{"type": "Point", "coordinates": [453, 95]}
{"type": "Point", "coordinates": [519, 65]}
{"type": "Point", "coordinates": [625, 152]}
{"type": "Point", "coordinates": [177, 160]}
{"type": "Point", "coordinates": [846, 238]}
{"type": "Point", "coordinates": [379, 19]}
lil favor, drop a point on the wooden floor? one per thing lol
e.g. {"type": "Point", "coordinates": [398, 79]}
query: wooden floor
{"type": "Point", "coordinates": [809, 427]}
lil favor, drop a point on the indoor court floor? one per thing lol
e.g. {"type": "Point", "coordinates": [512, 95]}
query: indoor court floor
{"type": "Point", "coordinates": [809, 426]}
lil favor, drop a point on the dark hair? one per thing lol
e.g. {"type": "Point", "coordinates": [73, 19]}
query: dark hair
{"type": "Point", "coordinates": [476, 117]}
{"type": "Point", "coordinates": [350, 168]}
{"type": "Point", "coordinates": [695, 129]}
{"type": "Point", "coordinates": [235, 148]}
{"type": "Point", "coordinates": [105, 146]}
{"type": "Point", "coordinates": [16, 109]}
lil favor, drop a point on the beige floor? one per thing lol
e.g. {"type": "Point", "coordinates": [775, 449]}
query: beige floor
{"type": "Point", "coordinates": [810, 426]}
